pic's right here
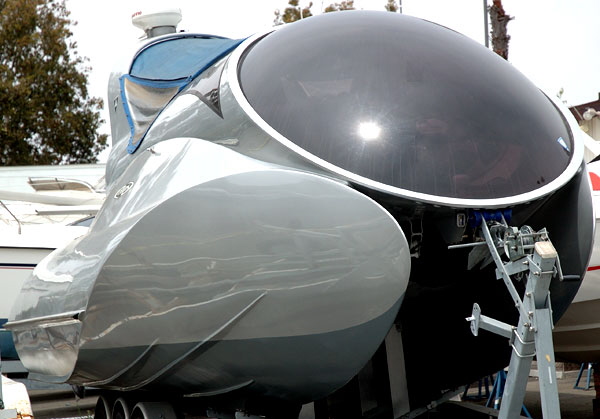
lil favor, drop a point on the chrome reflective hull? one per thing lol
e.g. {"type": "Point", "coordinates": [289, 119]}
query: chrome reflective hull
{"type": "Point", "coordinates": [216, 273]}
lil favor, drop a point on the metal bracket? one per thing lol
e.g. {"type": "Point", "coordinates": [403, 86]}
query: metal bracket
{"type": "Point", "coordinates": [416, 236]}
{"type": "Point", "coordinates": [478, 320]}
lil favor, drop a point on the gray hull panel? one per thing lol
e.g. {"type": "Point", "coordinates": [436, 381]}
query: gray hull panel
{"type": "Point", "coordinates": [257, 255]}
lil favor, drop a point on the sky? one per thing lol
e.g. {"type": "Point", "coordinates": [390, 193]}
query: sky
{"type": "Point", "coordinates": [553, 42]}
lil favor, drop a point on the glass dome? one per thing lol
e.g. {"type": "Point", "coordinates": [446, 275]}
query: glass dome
{"type": "Point", "coordinates": [406, 103]}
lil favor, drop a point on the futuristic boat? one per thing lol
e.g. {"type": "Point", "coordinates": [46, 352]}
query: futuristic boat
{"type": "Point", "coordinates": [278, 205]}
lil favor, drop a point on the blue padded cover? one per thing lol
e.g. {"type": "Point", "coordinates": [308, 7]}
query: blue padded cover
{"type": "Point", "coordinates": [180, 58]}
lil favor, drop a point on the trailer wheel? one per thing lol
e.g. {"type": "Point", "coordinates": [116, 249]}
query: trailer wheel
{"type": "Point", "coordinates": [121, 409]}
{"type": "Point", "coordinates": [152, 410]}
{"type": "Point", "coordinates": [103, 410]}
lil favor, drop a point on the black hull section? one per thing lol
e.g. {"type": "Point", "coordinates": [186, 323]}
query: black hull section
{"type": "Point", "coordinates": [440, 351]}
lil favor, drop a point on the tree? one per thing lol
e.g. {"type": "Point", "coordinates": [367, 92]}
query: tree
{"type": "Point", "coordinates": [292, 13]}
{"type": "Point", "coordinates": [499, 20]}
{"type": "Point", "coordinates": [46, 114]}
{"type": "Point", "coordinates": [337, 7]}
{"type": "Point", "coordinates": [392, 6]}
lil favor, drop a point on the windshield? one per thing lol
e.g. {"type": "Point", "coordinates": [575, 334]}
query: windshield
{"type": "Point", "coordinates": [407, 103]}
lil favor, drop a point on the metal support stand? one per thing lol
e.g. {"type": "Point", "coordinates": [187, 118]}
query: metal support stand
{"type": "Point", "coordinates": [483, 389]}
{"type": "Point", "coordinates": [596, 401]}
{"type": "Point", "coordinates": [533, 259]}
{"type": "Point", "coordinates": [589, 376]}
{"type": "Point", "coordinates": [498, 392]}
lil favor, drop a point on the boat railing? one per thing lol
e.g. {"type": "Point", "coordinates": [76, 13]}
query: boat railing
{"type": "Point", "coordinates": [12, 215]}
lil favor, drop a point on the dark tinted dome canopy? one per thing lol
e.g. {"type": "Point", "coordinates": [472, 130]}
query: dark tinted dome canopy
{"type": "Point", "coordinates": [407, 103]}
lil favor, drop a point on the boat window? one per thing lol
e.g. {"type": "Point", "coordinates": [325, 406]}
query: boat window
{"type": "Point", "coordinates": [407, 103]}
{"type": "Point", "coordinates": [143, 102]}
{"type": "Point", "coordinates": [206, 86]}
{"type": "Point", "coordinates": [57, 184]}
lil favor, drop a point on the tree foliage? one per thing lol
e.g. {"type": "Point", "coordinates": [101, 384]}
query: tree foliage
{"type": "Point", "coordinates": [337, 7]}
{"type": "Point", "coordinates": [392, 6]}
{"type": "Point", "coordinates": [46, 114]}
{"type": "Point", "coordinates": [292, 13]}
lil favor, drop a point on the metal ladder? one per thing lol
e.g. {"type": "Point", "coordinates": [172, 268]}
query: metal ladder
{"type": "Point", "coordinates": [532, 258]}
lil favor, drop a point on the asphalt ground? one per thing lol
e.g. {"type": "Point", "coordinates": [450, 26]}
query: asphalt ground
{"type": "Point", "coordinates": [574, 403]}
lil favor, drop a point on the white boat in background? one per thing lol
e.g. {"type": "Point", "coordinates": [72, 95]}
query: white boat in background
{"type": "Point", "coordinates": [40, 211]}
{"type": "Point", "coordinates": [577, 334]}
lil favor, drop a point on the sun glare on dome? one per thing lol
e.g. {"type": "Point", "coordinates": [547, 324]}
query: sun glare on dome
{"type": "Point", "coordinates": [369, 131]}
